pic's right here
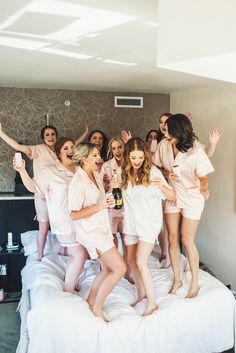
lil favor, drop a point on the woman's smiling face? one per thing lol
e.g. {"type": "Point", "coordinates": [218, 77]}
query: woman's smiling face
{"type": "Point", "coordinates": [117, 150]}
{"type": "Point", "coordinates": [49, 137]}
{"type": "Point", "coordinates": [136, 159]}
{"type": "Point", "coordinates": [97, 139]}
{"type": "Point", "coordinates": [66, 153]}
{"type": "Point", "coordinates": [93, 159]}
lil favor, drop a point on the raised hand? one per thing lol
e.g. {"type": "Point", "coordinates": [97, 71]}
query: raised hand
{"type": "Point", "coordinates": [215, 135]}
{"type": "Point", "coordinates": [86, 130]}
{"type": "Point", "coordinates": [126, 136]}
{"type": "Point", "coordinates": [189, 115]}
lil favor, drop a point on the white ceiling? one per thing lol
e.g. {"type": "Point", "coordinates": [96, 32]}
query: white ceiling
{"type": "Point", "coordinates": [85, 44]}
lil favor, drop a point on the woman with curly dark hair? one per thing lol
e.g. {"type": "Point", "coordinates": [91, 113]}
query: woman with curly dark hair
{"type": "Point", "coordinates": [99, 139]}
{"type": "Point", "coordinates": [181, 155]}
{"type": "Point", "coordinates": [143, 188]}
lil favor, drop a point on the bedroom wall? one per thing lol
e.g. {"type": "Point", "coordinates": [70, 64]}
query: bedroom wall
{"type": "Point", "coordinates": [216, 239]}
{"type": "Point", "coordinates": [23, 114]}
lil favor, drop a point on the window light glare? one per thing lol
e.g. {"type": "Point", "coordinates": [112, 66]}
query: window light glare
{"type": "Point", "coordinates": [66, 53]}
{"type": "Point", "coordinates": [21, 43]}
{"type": "Point", "coordinates": [117, 62]}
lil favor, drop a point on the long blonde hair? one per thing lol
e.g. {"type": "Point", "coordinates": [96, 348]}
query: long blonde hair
{"type": "Point", "coordinates": [143, 178]}
{"type": "Point", "coordinates": [119, 140]}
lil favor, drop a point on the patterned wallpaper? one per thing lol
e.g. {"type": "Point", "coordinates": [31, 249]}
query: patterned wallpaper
{"type": "Point", "coordinates": [23, 114]}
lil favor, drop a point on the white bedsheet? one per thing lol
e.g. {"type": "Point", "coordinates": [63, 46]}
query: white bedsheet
{"type": "Point", "coordinates": [62, 323]}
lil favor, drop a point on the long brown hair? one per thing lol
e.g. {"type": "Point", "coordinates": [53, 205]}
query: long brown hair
{"type": "Point", "coordinates": [143, 178]}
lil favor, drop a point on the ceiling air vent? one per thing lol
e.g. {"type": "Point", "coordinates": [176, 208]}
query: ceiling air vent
{"type": "Point", "coordinates": [128, 102]}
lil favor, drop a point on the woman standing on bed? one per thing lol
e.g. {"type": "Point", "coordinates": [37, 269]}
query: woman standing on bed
{"type": "Point", "coordinates": [53, 183]}
{"type": "Point", "coordinates": [112, 170]}
{"type": "Point", "coordinates": [181, 155]}
{"type": "Point", "coordinates": [43, 155]}
{"type": "Point", "coordinates": [143, 189]}
{"type": "Point", "coordinates": [116, 149]}
{"type": "Point", "coordinates": [88, 208]}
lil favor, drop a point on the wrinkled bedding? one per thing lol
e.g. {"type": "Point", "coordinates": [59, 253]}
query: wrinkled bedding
{"type": "Point", "coordinates": [60, 322]}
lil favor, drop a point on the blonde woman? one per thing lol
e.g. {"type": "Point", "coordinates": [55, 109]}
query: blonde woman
{"type": "Point", "coordinates": [143, 188]}
{"type": "Point", "coordinates": [112, 169]}
{"type": "Point", "coordinates": [88, 208]}
{"type": "Point", "coordinates": [111, 174]}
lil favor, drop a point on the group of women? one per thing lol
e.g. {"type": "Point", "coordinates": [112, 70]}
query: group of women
{"type": "Point", "coordinates": [73, 185]}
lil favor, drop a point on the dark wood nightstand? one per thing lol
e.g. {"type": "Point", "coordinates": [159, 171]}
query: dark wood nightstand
{"type": "Point", "coordinates": [11, 262]}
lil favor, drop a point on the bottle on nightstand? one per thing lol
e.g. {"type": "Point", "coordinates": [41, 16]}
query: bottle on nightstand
{"type": "Point", "coordinates": [10, 244]}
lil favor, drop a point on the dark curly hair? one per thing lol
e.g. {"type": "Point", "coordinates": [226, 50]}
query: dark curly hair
{"type": "Point", "coordinates": [180, 127]}
{"type": "Point", "coordinates": [149, 132]}
{"type": "Point", "coordinates": [104, 148]}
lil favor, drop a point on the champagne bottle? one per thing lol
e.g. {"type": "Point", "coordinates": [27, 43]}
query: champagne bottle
{"type": "Point", "coordinates": [117, 194]}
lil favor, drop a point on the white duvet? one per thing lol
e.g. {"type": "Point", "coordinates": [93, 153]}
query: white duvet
{"type": "Point", "coordinates": [62, 323]}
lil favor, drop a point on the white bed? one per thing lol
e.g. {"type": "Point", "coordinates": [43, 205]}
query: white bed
{"type": "Point", "coordinates": [60, 322]}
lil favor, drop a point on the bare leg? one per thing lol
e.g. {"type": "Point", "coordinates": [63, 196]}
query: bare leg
{"type": "Point", "coordinates": [188, 231]}
{"type": "Point", "coordinates": [74, 266]}
{"type": "Point", "coordinates": [115, 240]}
{"type": "Point", "coordinates": [128, 271]}
{"type": "Point", "coordinates": [96, 283]}
{"type": "Point", "coordinates": [172, 223]}
{"type": "Point", "coordinates": [116, 267]}
{"type": "Point", "coordinates": [164, 243]}
{"type": "Point", "coordinates": [131, 260]}
{"type": "Point", "coordinates": [143, 252]}
{"type": "Point", "coordinates": [42, 236]}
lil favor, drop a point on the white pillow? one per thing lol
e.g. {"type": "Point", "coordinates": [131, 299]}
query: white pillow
{"type": "Point", "coordinates": [29, 242]}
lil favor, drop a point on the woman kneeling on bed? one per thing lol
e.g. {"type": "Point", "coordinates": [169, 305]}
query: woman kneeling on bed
{"type": "Point", "coordinates": [53, 183]}
{"type": "Point", "coordinates": [143, 188]}
{"type": "Point", "coordinates": [88, 208]}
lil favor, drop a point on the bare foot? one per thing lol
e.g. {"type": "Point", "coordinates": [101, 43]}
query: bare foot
{"type": "Point", "coordinates": [139, 299]}
{"type": "Point", "coordinates": [150, 309]}
{"type": "Point", "coordinates": [39, 258]}
{"type": "Point", "coordinates": [99, 313]}
{"type": "Point", "coordinates": [165, 263]}
{"type": "Point", "coordinates": [175, 287]}
{"type": "Point", "coordinates": [91, 302]}
{"type": "Point", "coordinates": [193, 292]}
{"type": "Point", "coordinates": [129, 278]}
